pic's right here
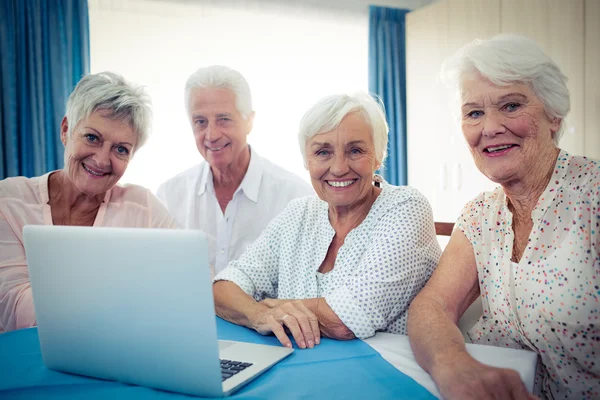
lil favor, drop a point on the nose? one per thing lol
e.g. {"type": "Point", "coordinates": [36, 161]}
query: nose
{"type": "Point", "coordinates": [102, 157]}
{"type": "Point", "coordinates": [211, 133]}
{"type": "Point", "coordinates": [492, 124]}
{"type": "Point", "coordinates": [339, 166]}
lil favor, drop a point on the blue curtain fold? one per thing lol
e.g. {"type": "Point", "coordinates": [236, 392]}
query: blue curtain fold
{"type": "Point", "coordinates": [45, 51]}
{"type": "Point", "coordinates": [387, 79]}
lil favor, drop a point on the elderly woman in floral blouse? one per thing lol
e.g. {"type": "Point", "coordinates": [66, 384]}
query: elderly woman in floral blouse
{"type": "Point", "coordinates": [529, 249]}
{"type": "Point", "coordinates": [346, 264]}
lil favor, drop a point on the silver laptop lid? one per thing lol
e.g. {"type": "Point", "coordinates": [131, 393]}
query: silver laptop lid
{"type": "Point", "coordinates": [126, 304]}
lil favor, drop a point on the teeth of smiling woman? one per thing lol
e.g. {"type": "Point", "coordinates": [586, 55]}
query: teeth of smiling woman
{"type": "Point", "coordinates": [340, 184]}
{"type": "Point", "coordinates": [497, 148]}
{"type": "Point", "coordinates": [92, 172]}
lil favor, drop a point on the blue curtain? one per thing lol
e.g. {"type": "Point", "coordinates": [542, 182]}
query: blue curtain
{"type": "Point", "coordinates": [387, 79]}
{"type": "Point", "coordinates": [45, 51]}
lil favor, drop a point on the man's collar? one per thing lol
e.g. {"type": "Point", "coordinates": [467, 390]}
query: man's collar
{"type": "Point", "coordinates": [206, 179]}
{"type": "Point", "coordinates": [250, 185]}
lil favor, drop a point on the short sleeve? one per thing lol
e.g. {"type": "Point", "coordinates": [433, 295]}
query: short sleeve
{"type": "Point", "coordinates": [402, 254]}
{"type": "Point", "coordinates": [256, 272]}
{"type": "Point", "coordinates": [159, 216]}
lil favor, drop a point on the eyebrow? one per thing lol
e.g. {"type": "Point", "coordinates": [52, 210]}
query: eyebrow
{"type": "Point", "coordinates": [101, 136]}
{"type": "Point", "coordinates": [506, 96]}
{"type": "Point", "coordinates": [500, 100]}
{"type": "Point", "coordinates": [352, 143]}
{"type": "Point", "coordinates": [355, 142]}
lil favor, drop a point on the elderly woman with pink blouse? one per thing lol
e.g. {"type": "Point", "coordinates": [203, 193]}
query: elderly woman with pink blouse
{"type": "Point", "coordinates": [107, 121]}
{"type": "Point", "coordinates": [530, 249]}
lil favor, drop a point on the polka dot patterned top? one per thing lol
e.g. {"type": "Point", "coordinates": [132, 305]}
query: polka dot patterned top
{"type": "Point", "coordinates": [383, 263]}
{"type": "Point", "coordinates": [550, 301]}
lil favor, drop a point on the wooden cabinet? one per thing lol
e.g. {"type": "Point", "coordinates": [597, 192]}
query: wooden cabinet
{"type": "Point", "coordinates": [592, 79]}
{"type": "Point", "coordinates": [439, 162]}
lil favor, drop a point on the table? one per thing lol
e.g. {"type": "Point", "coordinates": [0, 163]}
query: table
{"type": "Point", "coordinates": [334, 369]}
{"type": "Point", "coordinates": [380, 367]}
{"type": "Point", "coordinates": [396, 350]}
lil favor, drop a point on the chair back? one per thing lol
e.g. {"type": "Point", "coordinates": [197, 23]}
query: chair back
{"type": "Point", "coordinates": [444, 228]}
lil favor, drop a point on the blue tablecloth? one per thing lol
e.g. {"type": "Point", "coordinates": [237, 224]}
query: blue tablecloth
{"type": "Point", "coordinates": [333, 369]}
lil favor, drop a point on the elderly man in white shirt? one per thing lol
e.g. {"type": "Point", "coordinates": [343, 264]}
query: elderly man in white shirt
{"type": "Point", "coordinates": [234, 193]}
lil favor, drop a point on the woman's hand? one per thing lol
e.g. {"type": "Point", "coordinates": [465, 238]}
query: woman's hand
{"type": "Point", "coordinates": [293, 315]}
{"type": "Point", "coordinates": [466, 378]}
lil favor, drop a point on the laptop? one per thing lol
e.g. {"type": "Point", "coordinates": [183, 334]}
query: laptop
{"type": "Point", "coordinates": [136, 306]}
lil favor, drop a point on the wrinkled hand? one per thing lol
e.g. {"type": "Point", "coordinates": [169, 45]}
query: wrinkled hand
{"type": "Point", "coordinates": [293, 315]}
{"type": "Point", "coordinates": [467, 379]}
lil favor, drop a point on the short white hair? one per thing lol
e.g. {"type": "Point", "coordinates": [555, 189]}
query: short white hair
{"type": "Point", "coordinates": [219, 76]}
{"type": "Point", "coordinates": [111, 94]}
{"type": "Point", "coordinates": [328, 113]}
{"type": "Point", "coordinates": [508, 59]}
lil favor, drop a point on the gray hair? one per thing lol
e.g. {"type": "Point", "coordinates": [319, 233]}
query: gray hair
{"type": "Point", "coordinates": [110, 93]}
{"type": "Point", "coordinates": [218, 76]}
{"type": "Point", "coordinates": [328, 113]}
{"type": "Point", "coordinates": [508, 59]}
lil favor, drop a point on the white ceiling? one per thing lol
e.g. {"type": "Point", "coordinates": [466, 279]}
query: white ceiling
{"type": "Point", "coordinates": [342, 5]}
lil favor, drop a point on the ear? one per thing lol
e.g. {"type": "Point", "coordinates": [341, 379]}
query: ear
{"type": "Point", "coordinates": [64, 129]}
{"type": "Point", "coordinates": [556, 125]}
{"type": "Point", "coordinates": [250, 121]}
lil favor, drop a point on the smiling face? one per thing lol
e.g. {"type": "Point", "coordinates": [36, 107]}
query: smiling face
{"type": "Point", "coordinates": [506, 128]}
{"type": "Point", "coordinates": [97, 152]}
{"type": "Point", "coordinates": [342, 162]}
{"type": "Point", "coordinates": [219, 129]}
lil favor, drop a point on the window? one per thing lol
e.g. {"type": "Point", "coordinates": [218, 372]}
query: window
{"type": "Point", "coordinates": [291, 54]}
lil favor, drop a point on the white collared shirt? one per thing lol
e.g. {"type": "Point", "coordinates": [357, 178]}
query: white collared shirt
{"type": "Point", "coordinates": [264, 192]}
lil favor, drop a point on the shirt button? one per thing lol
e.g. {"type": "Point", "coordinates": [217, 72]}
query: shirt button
{"type": "Point", "coordinates": [222, 251]}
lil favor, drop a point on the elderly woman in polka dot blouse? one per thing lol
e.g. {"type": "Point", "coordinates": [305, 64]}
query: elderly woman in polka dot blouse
{"type": "Point", "coordinates": [345, 264]}
{"type": "Point", "coordinates": [529, 249]}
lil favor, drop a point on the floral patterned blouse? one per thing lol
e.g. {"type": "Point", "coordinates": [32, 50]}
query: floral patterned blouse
{"type": "Point", "coordinates": [548, 302]}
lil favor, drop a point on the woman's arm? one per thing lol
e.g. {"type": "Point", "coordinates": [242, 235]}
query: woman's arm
{"type": "Point", "coordinates": [16, 301]}
{"type": "Point", "coordinates": [235, 305]}
{"type": "Point", "coordinates": [255, 276]}
{"type": "Point", "coordinates": [437, 342]}
{"type": "Point", "coordinates": [330, 325]}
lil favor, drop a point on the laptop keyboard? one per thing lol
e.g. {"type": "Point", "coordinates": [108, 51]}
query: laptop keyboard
{"type": "Point", "coordinates": [230, 368]}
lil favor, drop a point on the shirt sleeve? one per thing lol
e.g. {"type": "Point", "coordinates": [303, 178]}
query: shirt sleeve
{"type": "Point", "coordinates": [256, 272]}
{"type": "Point", "coordinates": [468, 221]}
{"type": "Point", "coordinates": [159, 216]}
{"type": "Point", "coordinates": [16, 301]}
{"type": "Point", "coordinates": [596, 221]}
{"type": "Point", "coordinates": [161, 193]}
{"type": "Point", "coordinates": [398, 261]}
